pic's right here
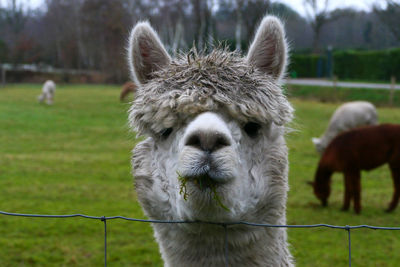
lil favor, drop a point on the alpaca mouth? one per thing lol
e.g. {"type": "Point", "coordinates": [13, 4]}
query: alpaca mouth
{"type": "Point", "coordinates": [204, 177]}
{"type": "Point", "coordinates": [207, 176]}
{"type": "Point", "coordinates": [204, 181]}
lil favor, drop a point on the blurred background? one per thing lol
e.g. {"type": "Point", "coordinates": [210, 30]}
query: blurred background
{"type": "Point", "coordinates": [84, 40]}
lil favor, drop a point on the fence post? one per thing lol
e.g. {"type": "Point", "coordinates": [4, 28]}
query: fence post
{"type": "Point", "coordinates": [348, 231]}
{"type": "Point", "coordinates": [3, 76]}
{"type": "Point", "coordinates": [103, 219]}
{"type": "Point", "coordinates": [335, 88]}
{"type": "Point", "coordinates": [226, 244]}
{"type": "Point", "coordinates": [392, 87]}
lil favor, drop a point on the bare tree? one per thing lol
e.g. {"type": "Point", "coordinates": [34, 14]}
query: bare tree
{"type": "Point", "coordinates": [239, 22]}
{"type": "Point", "coordinates": [198, 7]}
{"type": "Point", "coordinates": [105, 25]}
{"type": "Point", "coordinates": [178, 36]}
{"type": "Point", "coordinates": [254, 10]}
{"type": "Point", "coordinates": [92, 34]}
{"type": "Point", "coordinates": [390, 16]}
{"type": "Point", "coordinates": [204, 23]}
{"type": "Point", "coordinates": [318, 17]}
{"type": "Point", "coordinates": [171, 17]}
{"type": "Point", "coordinates": [15, 19]}
{"type": "Point", "coordinates": [61, 34]}
{"type": "Point", "coordinates": [210, 30]}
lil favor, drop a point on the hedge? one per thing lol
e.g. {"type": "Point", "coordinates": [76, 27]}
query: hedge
{"type": "Point", "coordinates": [3, 51]}
{"type": "Point", "coordinates": [350, 65]}
{"type": "Point", "coordinates": [307, 66]}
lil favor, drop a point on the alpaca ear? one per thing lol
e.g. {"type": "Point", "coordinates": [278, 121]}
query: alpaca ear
{"type": "Point", "coordinates": [268, 52]}
{"type": "Point", "coordinates": [146, 52]}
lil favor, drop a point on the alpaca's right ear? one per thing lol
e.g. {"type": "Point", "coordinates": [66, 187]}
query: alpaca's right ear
{"type": "Point", "coordinates": [146, 52]}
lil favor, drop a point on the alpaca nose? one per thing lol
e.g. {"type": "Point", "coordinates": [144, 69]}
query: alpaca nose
{"type": "Point", "coordinates": [208, 141]}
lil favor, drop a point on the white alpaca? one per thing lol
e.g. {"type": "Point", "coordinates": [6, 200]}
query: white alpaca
{"type": "Point", "coordinates": [348, 116]}
{"type": "Point", "coordinates": [48, 91]}
{"type": "Point", "coordinates": [217, 121]}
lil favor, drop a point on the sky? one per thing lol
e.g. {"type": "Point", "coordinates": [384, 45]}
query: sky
{"type": "Point", "coordinates": [298, 5]}
{"type": "Point", "coordinates": [295, 4]}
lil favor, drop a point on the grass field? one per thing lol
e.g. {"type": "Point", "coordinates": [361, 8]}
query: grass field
{"type": "Point", "coordinates": [73, 157]}
{"type": "Point", "coordinates": [379, 97]}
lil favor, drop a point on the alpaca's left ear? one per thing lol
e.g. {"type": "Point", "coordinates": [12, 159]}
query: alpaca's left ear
{"type": "Point", "coordinates": [268, 52]}
{"type": "Point", "coordinates": [146, 53]}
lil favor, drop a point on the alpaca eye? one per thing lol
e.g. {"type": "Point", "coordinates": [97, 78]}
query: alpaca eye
{"type": "Point", "coordinates": [165, 133]}
{"type": "Point", "coordinates": [252, 128]}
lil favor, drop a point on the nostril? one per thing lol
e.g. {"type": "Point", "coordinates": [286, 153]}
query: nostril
{"type": "Point", "coordinates": [207, 141]}
{"type": "Point", "coordinates": [220, 142]}
{"type": "Point", "coordinates": [194, 140]}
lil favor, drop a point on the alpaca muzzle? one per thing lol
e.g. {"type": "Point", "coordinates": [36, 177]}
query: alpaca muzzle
{"type": "Point", "coordinates": [205, 173]}
{"type": "Point", "coordinates": [207, 155]}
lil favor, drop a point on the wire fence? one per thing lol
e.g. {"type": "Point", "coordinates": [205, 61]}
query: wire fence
{"type": "Point", "coordinates": [224, 226]}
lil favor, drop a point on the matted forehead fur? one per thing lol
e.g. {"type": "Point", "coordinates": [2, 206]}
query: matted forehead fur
{"type": "Point", "coordinates": [195, 83]}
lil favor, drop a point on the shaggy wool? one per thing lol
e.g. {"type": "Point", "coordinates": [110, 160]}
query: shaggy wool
{"type": "Point", "coordinates": [221, 118]}
{"type": "Point", "coordinates": [196, 83]}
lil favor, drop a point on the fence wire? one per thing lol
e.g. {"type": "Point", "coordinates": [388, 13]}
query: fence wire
{"type": "Point", "coordinates": [224, 225]}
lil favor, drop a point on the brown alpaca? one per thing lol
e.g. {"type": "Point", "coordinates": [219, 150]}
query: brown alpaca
{"type": "Point", "coordinates": [127, 88]}
{"type": "Point", "coordinates": [364, 148]}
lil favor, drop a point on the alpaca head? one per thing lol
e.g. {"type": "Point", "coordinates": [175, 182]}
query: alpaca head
{"type": "Point", "coordinates": [214, 126]}
{"type": "Point", "coordinates": [322, 184]}
{"type": "Point", "coordinates": [321, 194]}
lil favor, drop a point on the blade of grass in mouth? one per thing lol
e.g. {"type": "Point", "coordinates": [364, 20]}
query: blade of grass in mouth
{"type": "Point", "coordinates": [202, 181]}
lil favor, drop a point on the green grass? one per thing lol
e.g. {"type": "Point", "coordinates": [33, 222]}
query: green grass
{"type": "Point", "coordinates": [327, 247]}
{"type": "Point", "coordinates": [73, 157]}
{"type": "Point", "coordinates": [329, 94]}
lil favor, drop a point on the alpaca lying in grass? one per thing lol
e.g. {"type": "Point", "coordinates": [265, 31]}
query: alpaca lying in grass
{"type": "Point", "coordinates": [346, 117]}
{"type": "Point", "coordinates": [127, 88]}
{"type": "Point", "coordinates": [48, 91]}
{"type": "Point", "coordinates": [215, 148]}
{"type": "Point", "coordinates": [364, 148]}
